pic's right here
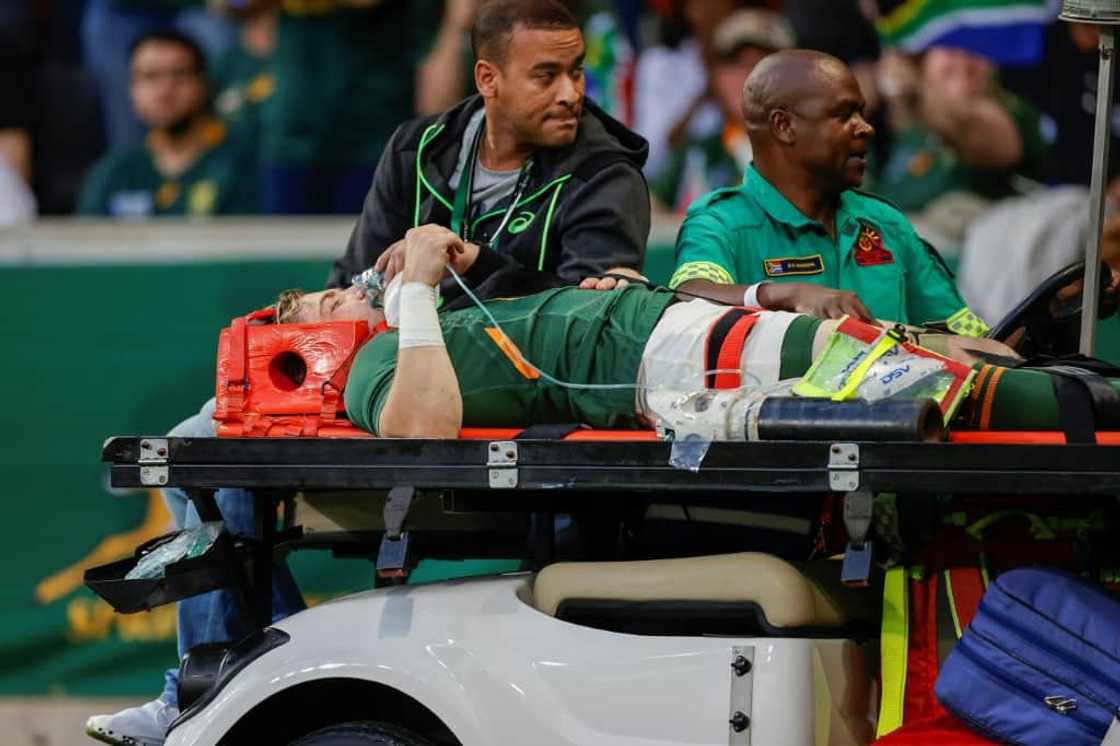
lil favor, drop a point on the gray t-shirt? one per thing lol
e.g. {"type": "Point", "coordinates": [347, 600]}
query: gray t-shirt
{"type": "Point", "coordinates": [490, 187]}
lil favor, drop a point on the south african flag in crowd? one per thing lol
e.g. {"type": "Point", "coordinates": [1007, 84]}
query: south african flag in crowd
{"type": "Point", "coordinates": [1008, 32]}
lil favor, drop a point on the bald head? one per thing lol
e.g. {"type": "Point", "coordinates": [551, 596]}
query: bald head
{"type": "Point", "coordinates": [790, 79]}
{"type": "Point", "coordinates": [804, 115]}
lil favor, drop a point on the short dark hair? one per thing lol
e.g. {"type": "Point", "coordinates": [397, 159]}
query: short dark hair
{"type": "Point", "coordinates": [493, 27]}
{"type": "Point", "coordinates": [172, 36]}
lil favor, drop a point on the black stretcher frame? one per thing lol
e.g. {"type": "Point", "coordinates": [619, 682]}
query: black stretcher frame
{"type": "Point", "coordinates": [546, 476]}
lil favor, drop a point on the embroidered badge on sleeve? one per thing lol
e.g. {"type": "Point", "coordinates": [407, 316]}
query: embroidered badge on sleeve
{"type": "Point", "coordinates": [870, 250]}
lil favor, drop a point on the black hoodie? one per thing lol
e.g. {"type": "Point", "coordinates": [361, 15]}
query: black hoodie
{"type": "Point", "coordinates": [584, 209]}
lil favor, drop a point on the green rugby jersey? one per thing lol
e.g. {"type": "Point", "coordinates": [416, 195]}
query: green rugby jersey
{"type": "Point", "coordinates": [127, 184]}
{"type": "Point", "coordinates": [579, 336]}
{"type": "Point", "coordinates": [752, 233]}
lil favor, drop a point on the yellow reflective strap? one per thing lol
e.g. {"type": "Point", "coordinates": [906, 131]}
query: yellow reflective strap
{"type": "Point", "coordinates": [966, 323]}
{"type": "Point", "coordinates": [848, 390]}
{"type": "Point", "coordinates": [894, 638]}
{"type": "Point", "coordinates": [952, 603]}
{"type": "Point", "coordinates": [810, 390]}
{"type": "Point", "coordinates": [709, 271]}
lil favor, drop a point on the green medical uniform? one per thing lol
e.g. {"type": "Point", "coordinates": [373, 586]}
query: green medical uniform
{"type": "Point", "coordinates": [752, 233]}
{"type": "Point", "coordinates": [127, 184]}
{"type": "Point", "coordinates": [578, 336]}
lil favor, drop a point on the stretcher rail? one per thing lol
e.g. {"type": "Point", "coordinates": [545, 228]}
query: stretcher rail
{"type": "Point", "coordinates": [603, 467]}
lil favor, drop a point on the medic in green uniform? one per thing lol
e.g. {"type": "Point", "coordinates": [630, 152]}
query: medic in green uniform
{"type": "Point", "coordinates": [798, 224]}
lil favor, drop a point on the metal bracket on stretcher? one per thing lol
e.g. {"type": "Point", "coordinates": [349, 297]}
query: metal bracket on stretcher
{"type": "Point", "coordinates": [153, 462]}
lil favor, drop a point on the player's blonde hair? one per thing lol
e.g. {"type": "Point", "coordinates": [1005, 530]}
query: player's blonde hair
{"type": "Point", "coordinates": [288, 305]}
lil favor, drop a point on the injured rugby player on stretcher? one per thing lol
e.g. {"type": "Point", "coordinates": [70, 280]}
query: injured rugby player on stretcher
{"type": "Point", "coordinates": [630, 358]}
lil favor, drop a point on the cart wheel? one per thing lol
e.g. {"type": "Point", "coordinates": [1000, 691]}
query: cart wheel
{"type": "Point", "coordinates": [362, 733]}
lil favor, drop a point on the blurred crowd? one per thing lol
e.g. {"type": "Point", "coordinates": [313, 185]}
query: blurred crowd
{"type": "Point", "coordinates": [131, 108]}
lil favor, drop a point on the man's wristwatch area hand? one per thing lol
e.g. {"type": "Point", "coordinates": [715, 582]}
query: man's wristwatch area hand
{"type": "Point", "coordinates": [750, 295]}
{"type": "Point", "coordinates": [772, 296]}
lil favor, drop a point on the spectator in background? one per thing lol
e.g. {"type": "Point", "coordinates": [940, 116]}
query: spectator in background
{"type": "Point", "coordinates": [17, 203]}
{"type": "Point", "coordinates": [702, 163]}
{"type": "Point", "coordinates": [671, 82]}
{"type": "Point", "coordinates": [953, 128]}
{"type": "Point", "coordinates": [443, 78]}
{"type": "Point", "coordinates": [188, 164]}
{"type": "Point", "coordinates": [345, 78]}
{"type": "Point", "coordinates": [1064, 88]}
{"type": "Point", "coordinates": [610, 63]}
{"type": "Point", "coordinates": [108, 29]}
{"type": "Point", "coordinates": [243, 78]}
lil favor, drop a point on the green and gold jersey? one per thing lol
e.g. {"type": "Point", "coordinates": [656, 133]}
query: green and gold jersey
{"type": "Point", "coordinates": [578, 336]}
{"type": "Point", "coordinates": [344, 74]}
{"type": "Point", "coordinates": [244, 83]}
{"type": "Point", "coordinates": [920, 167]}
{"type": "Point", "coordinates": [127, 184]}
{"type": "Point", "coordinates": [752, 233]}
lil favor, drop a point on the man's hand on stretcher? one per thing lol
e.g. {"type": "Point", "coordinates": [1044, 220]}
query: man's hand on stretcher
{"type": "Point", "coordinates": [796, 297]}
{"type": "Point", "coordinates": [462, 257]}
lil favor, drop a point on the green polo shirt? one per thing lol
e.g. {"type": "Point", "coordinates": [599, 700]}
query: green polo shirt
{"type": "Point", "coordinates": [752, 233]}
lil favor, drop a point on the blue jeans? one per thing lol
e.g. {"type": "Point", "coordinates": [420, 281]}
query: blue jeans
{"type": "Point", "coordinates": [216, 616]}
{"type": "Point", "coordinates": [107, 35]}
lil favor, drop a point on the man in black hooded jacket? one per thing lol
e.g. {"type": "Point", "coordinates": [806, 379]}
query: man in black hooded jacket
{"type": "Point", "coordinates": [545, 186]}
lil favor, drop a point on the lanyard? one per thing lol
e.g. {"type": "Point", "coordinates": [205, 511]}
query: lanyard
{"type": "Point", "coordinates": [461, 210]}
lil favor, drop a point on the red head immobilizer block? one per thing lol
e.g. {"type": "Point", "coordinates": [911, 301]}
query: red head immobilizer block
{"type": "Point", "coordinates": [285, 380]}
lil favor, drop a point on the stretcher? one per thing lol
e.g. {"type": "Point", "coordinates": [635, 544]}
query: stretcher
{"type": "Point", "coordinates": [492, 471]}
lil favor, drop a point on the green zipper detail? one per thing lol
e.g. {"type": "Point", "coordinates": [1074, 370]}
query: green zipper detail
{"type": "Point", "coordinates": [522, 203]}
{"type": "Point", "coordinates": [547, 224]}
{"type": "Point", "coordinates": [429, 134]}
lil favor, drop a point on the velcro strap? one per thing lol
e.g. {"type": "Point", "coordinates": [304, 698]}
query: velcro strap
{"type": "Point", "coordinates": [549, 432]}
{"type": "Point", "coordinates": [964, 587]}
{"type": "Point", "coordinates": [1086, 401]}
{"type": "Point", "coordinates": [724, 347]}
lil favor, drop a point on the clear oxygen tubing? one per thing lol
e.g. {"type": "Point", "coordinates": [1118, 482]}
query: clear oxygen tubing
{"type": "Point", "coordinates": [583, 386]}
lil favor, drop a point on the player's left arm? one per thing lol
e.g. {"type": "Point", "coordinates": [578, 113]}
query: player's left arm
{"type": "Point", "coordinates": [424, 400]}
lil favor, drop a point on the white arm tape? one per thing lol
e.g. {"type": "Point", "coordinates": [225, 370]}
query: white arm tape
{"type": "Point", "coordinates": [419, 320]}
{"type": "Point", "coordinates": [750, 295]}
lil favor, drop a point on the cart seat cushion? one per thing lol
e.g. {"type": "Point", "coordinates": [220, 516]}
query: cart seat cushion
{"type": "Point", "coordinates": [786, 596]}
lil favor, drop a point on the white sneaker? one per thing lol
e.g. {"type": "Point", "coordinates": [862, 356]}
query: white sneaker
{"type": "Point", "coordinates": [145, 725]}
